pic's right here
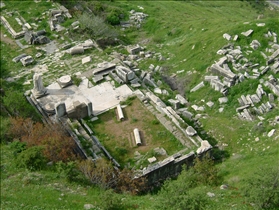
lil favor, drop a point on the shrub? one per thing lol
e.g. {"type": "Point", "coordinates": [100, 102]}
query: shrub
{"type": "Point", "coordinates": [262, 189]}
{"type": "Point", "coordinates": [17, 147]}
{"type": "Point", "coordinates": [31, 158]}
{"type": "Point", "coordinates": [113, 19]}
{"type": "Point", "coordinates": [68, 170]}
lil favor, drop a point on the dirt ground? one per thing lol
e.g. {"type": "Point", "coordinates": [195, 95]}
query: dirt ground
{"type": "Point", "coordinates": [117, 134]}
{"type": "Point", "coordinates": [7, 40]}
{"type": "Point", "coordinates": [122, 131]}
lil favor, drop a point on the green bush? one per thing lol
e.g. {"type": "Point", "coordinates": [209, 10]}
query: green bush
{"type": "Point", "coordinates": [31, 159]}
{"type": "Point", "coordinates": [17, 147]}
{"type": "Point", "coordinates": [68, 170]}
{"type": "Point", "coordinates": [262, 189]}
{"type": "Point", "coordinates": [113, 19]}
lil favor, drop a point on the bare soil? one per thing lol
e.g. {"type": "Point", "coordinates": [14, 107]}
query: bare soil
{"type": "Point", "coordinates": [136, 116]}
{"type": "Point", "coordinates": [8, 40]}
{"type": "Point", "coordinates": [117, 135]}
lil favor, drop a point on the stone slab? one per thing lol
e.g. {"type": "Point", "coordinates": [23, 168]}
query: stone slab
{"type": "Point", "coordinates": [102, 97]}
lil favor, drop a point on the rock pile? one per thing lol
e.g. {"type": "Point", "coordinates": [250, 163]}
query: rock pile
{"type": "Point", "coordinates": [233, 68]}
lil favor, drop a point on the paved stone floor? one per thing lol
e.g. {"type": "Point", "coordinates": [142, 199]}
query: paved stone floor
{"type": "Point", "coordinates": [103, 97]}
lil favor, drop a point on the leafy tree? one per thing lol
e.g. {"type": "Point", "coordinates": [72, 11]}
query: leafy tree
{"type": "Point", "coordinates": [31, 158]}
{"type": "Point", "coordinates": [262, 189]}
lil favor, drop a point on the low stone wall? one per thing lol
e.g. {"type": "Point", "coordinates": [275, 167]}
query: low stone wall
{"type": "Point", "coordinates": [10, 29]}
{"type": "Point", "coordinates": [169, 167]}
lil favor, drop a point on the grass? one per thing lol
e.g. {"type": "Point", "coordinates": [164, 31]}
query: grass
{"type": "Point", "coordinates": [172, 28]}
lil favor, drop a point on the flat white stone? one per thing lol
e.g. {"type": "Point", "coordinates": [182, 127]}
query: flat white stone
{"type": "Point", "coordinates": [247, 33]}
{"type": "Point", "coordinates": [86, 60]}
{"type": "Point", "coordinates": [65, 79]}
{"type": "Point", "coordinates": [270, 133]}
{"type": "Point", "coordinates": [260, 24]}
{"type": "Point", "coordinates": [152, 159]}
{"type": "Point", "coordinates": [210, 104]}
{"type": "Point", "coordinates": [227, 36]}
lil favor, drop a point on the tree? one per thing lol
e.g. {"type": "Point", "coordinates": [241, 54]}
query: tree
{"type": "Point", "coordinates": [262, 189]}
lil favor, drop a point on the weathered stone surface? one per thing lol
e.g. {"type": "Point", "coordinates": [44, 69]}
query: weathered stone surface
{"type": "Point", "coordinates": [190, 131]}
{"type": "Point", "coordinates": [272, 57]}
{"type": "Point", "coordinates": [86, 60]}
{"type": "Point", "coordinates": [247, 33]}
{"type": "Point", "coordinates": [255, 98]}
{"type": "Point", "coordinates": [152, 159]}
{"type": "Point", "coordinates": [273, 88]}
{"type": "Point", "coordinates": [157, 90]}
{"type": "Point", "coordinates": [60, 109]}
{"type": "Point", "coordinates": [200, 85]}
{"type": "Point", "coordinates": [219, 70]}
{"type": "Point", "coordinates": [174, 103]}
{"type": "Point", "coordinates": [247, 115]}
{"type": "Point", "coordinates": [223, 100]}
{"type": "Point", "coordinates": [270, 133]}
{"type": "Point", "coordinates": [255, 44]}
{"type": "Point", "coordinates": [160, 151]}
{"type": "Point", "coordinates": [64, 81]}
{"type": "Point", "coordinates": [210, 104]}
{"type": "Point", "coordinates": [210, 194]}
{"type": "Point", "coordinates": [227, 36]}
{"type": "Point", "coordinates": [181, 99]}
{"type": "Point", "coordinates": [260, 24]}
{"type": "Point", "coordinates": [27, 60]}
{"type": "Point", "coordinates": [88, 206]}
{"type": "Point", "coordinates": [210, 78]}
{"type": "Point", "coordinates": [39, 90]}
{"type": "Point", "coordinates": [187, 114]}
{"type": "Point", "coordinates": [239, 109]}
{"type": "Point", "coordinates": [204, 147]}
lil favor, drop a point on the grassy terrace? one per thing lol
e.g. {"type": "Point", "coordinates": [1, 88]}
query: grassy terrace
{"type": "Point", "coordinates": [118, 138]}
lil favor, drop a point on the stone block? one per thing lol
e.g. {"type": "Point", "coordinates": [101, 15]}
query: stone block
{"type": "Point", "coordinates": [60, 109]}
{"type": "Point", "coordinates": [247, 33]}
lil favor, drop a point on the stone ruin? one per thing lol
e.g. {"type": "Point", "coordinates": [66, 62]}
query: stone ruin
{"type": "Point", "coordinates": [10, 29]}
{"type": "Point", "coordinates": [39, 90]}
{"type": "Point", "coordinates": [36, 37]}
{"type": "Point", "coordinates": [135, 19]}
{"type": "Point", "coordinates": [242, 69]}
{"type": "Point", "coordinates": [57, 17]}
